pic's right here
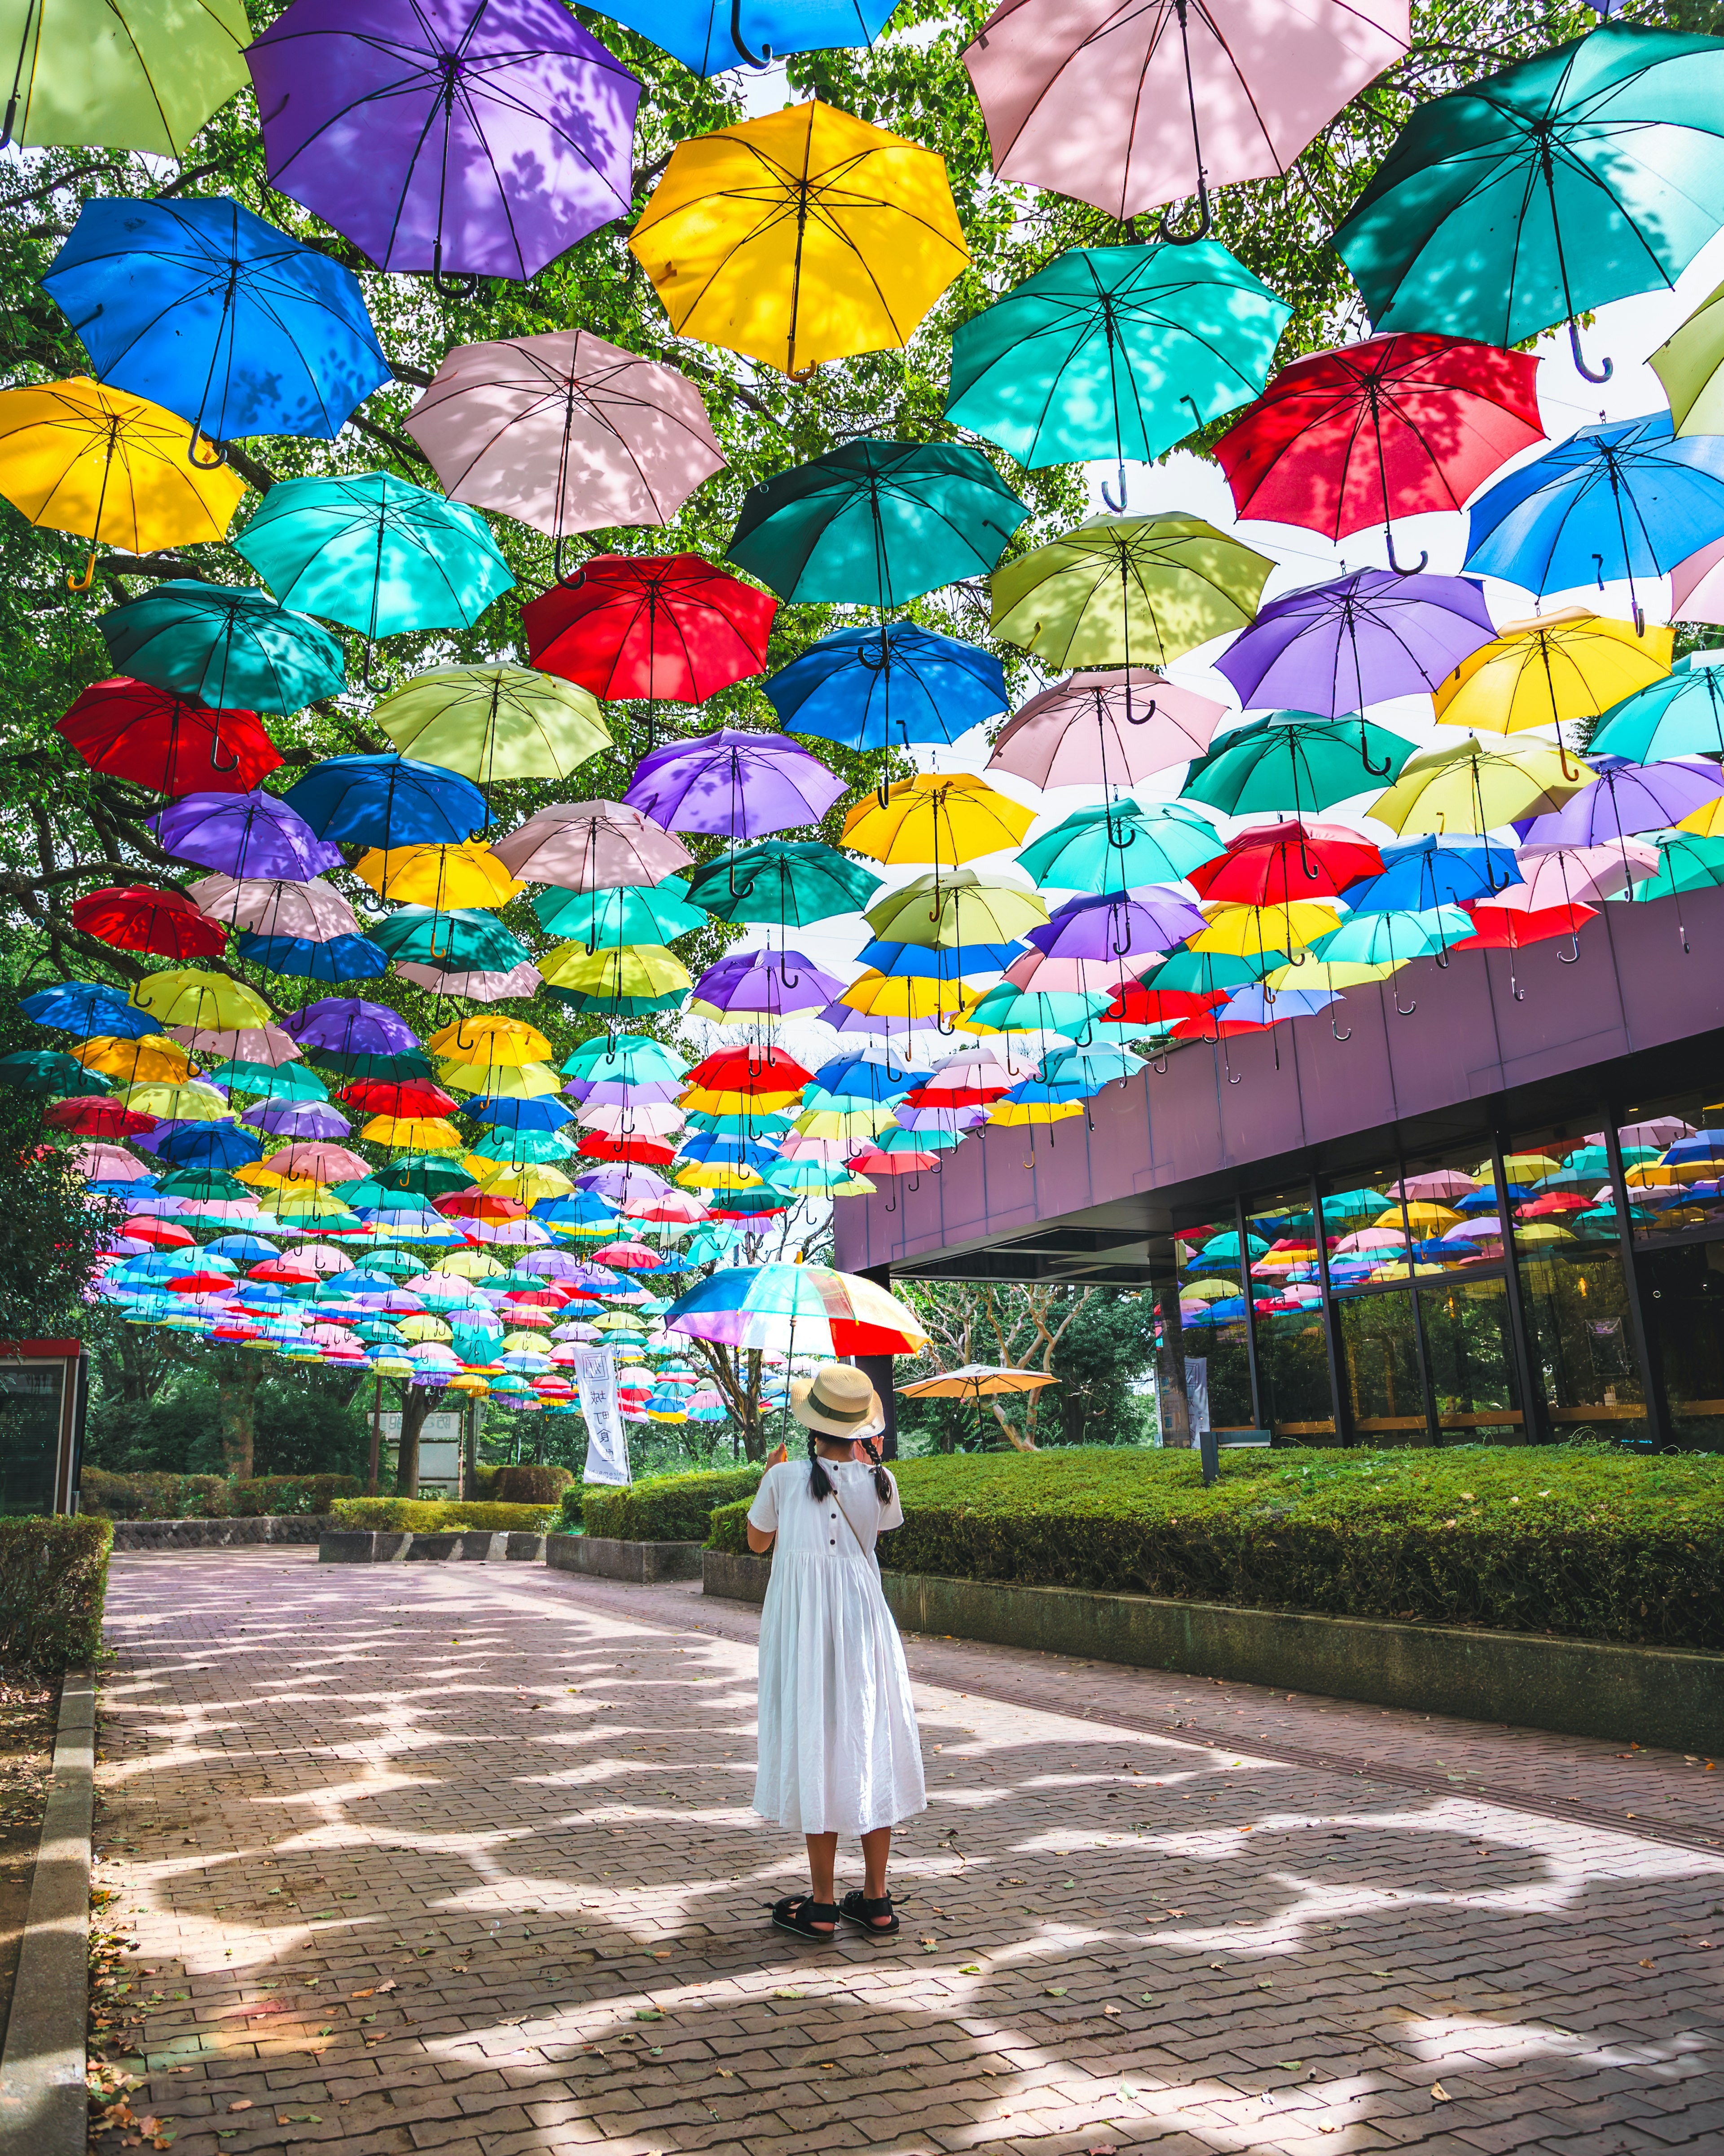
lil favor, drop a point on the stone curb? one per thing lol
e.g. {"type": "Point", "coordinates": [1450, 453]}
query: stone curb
{"type": "Point", "coordinates": [641, 1564]}
{"type": "Point", "coordinates": [221, 1534]}
{"type": "Point", "coordinates": [457, 1545]}
{"type": "Point", "coordinates": [43, 2106]}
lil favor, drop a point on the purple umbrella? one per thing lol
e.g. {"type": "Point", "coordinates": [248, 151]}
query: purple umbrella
{"type": "Point", "coordinates": [1118, 924]}
{"type": "Point", "coordinates": [623, 1093]}
{"type": "Point", "coordinates": [843, 1019]}
{"type": "Point", "coordinates": [1635, 797]}
{"type": "Point", "coordinates": [766, 980]}
{"type": "Point", "coordinates": [743, 786]}
{"type": "Point", "coordinates": [298, 1119]}
{"type": "Point", "coordinates": [620, 1184]}
{"type": "Point", "coordinates": [245, 834]}
{"type": "Point", "coordinates": [483, 135]}
{"type": "Point", "coordinates": [350, 1026]}
{"type": "Point", "coordinates": [1334, 648]}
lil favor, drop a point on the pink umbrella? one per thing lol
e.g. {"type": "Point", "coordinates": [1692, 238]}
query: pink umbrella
{"type": "Point", "coordinates": [1105, 729]}
{"type": "Point", "coordinates": [566, 432]}
{"type": "Point", "coordinates": [628, 1257]}
{"type": "Point", "coordinates": [320, 1258]}
{"type": "Point", "coordinates": [1437, 1188]}
{"type": "Point", "coordinates": [318, 1162]}
{"type": "Point", "coordinates": [678, 1207]}
{"type": "Point", "coordinates": [645, 1122]}
{"type": "Point", "coordinates": [315, 911]}
{"type": "Point", "coordinates": [1046, 976]}
{"type": "Point", "coordinates": [1570, 876]}
{"type": "Point", "coordinates": [1697, 586]}
{"type": "Point", "coordinates": [1371, 1238]}
{"type": "Point", "coordinates": [243, 1044]}
{"type": "Point", "coordinates": [1659, 1130]}
{"type": "Point", "coordinates": [106, 1163]}
{"type": "Point", "coordinates": [520, 981]}
{"type": "Point", "coordinates": [523, 1233]}
{"type": "Point", "coordinates": [1126, 106]}
{"type": "Point", "coordinates": [592, 845]}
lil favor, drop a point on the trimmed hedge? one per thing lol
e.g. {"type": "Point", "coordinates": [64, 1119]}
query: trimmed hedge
{"type": "Point", "coordinates": [271, 1495]}
{"type": "Point", "coordinates": [666, 1508]}
{"type": "Point", "coordinates": [531, 1483]}
{"type": "Point", "coordinates": [1578, 1541]}
{"type": "Point", "coordinates": [425, 1515]}
{"type": "Point", "coordinates": [54, 1581]}
{"type": "Point", "coordinates": [149, 1496]}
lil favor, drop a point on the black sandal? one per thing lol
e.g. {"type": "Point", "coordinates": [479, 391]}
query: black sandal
{"type": "Point", "coordinates": [797, 1913]}
{"type": "Point", "coordinates": [862, 1911]}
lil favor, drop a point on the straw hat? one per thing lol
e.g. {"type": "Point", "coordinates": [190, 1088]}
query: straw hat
{"type": "Point", "coordinates": [837, 1401]}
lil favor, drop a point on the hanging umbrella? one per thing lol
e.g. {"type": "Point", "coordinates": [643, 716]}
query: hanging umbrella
{"type": "Point", "coordinates": [46, 1071]}
{"type": "Point", "coordinates": [1539, 672]}
{"type": "Point", "coordinates": [87, 1116]}
{"type": "Point", "coordinates": [775, 1306]}
{"type": "Point", "coordinates": [493, 722]}
{"type": "Point", "coordinates": [386, 801]}
{"type": "Point", "coordinates": [1115, 353]}
{"type": "Point", "coordinates": [608, 920]}
{"type": "Point", "coordinates": [348, 1026]}
{"type": "Point", "coordinates": [136, 1062]}
{"type": "Point", "coordinates": [240, 834]}
{"type": "Point", "coordinates": [668, 627]}
{"type": "Point", "coordinates": [1628, 798]}
{"type": "Point", "coordinates": [204, 308]}
{"type": "Point", "coordinates": [375, 553]}
{"type": "Point", "coordinates": [461, 939]}
{"type": "Point", "coordinates": [566, 433]}
{"type": "Point", "coordinates": [1105, 729]}
{"type": "Point", "coordinates": [225, 644]}
{"type": "Point", "coordinates": [591, 845]}
{"type": "Point", "coordinates": [1126, 591]}
{"type": "Point", "coordinates": [1421, 873]}
{"type": "Point", "coordinates": [83, 1007]}
{"type": "Point", "coordinates": [803, 236]}
{"type": "Point", "coordinates": [79, 456]}
{"type": "Point", "coordinates": [1293, 861]}
{"type": "Point", "coordinates": [1681, 714]}
{"type": "Point", "coordinates": [738, 785]}
{"type": "Point", "coordinates": [1128, 107]}
{"type": "Point", "coordinates": [122, 73]}
{"type": "Point", "coordinates": [860, 686]}
{"type": "Point", "coordinates": [711, 36]}
{"type": "Point", "coordinates": [1622, 500]}
{"type": "Point", "coordinates": [1116, 925]}
{"type": "Point", "coordinates": [138, 918]}
{"type": "Point", "coordinates": [480, 986]}
{"type": "Point", "coordinates": [935, 818]}
{"type": "Point", "coordinates": [190, 997]}
{"type": "Point", "coordinates": [172, 744]}
{"type": "Point", "coordinates": [792, 884]}
{"type": "Point", "coordinates": [1469, 788]}
{"type": "Point", "coordinates": [315, 911]}
{"type": "Point", "coordinates": [877, 523]}
{"type": "Point", "coordinates": [1288, 760]}
{"type": "Point", "coordinates": [955, 907]}
{"type": "Point", "coordinates": [772, 981]}
{"type": "Point", "coordinates": [1586, 174]}
{"type": "Point", "coordinates": [467, 874]}
{"type": "Point", "coordinates": [1335, 648]}
{"type": "Point", "coordinates": [1559, 875]}
{"type": "Point", "coordinates": [478, 136]}
{"type": "Point", "coordinates": [1396, 426]}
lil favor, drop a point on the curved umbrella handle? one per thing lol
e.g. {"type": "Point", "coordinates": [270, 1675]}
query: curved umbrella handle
{"type": "Point", "coordinates": [195, 462]}
{"type": "Point", "coordinates": [1227, 1065]}
{"type": "Point", "coordinates": [1118, 507]}
{"type": "Point", "coordinates": [1133, 718]}
{"type": "Point", "coordinates": [1573, 957]}
{"type": "Point", "coordinates": [1205, 224]}
{"type": "Point", "coordinates": [765, 60]}
{"type": "Point", "coordinates": [1406, 1010]}
{"type": "Point", "coordinates": [891, 1204]}
{"type": "Point", "coordinates": [1160, 1068]}
{"type": "Point", "coordinates": [1336, 1031]}
{"type": "Point", "coordinates": [1580, 366]}
{"type": "Point", "coordinates": [566, 584]}
{"type": "Point", "coordinates": [1400, 569]}
{"type": "Point", "coordinates": [84, 582]}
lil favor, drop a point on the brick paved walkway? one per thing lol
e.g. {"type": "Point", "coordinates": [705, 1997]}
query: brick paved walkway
{"type": "Point", "coordinates": [460, 1859]}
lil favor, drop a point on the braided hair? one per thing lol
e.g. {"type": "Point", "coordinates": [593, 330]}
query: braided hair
{"type": "Point", "coordinates": [820, 1482]}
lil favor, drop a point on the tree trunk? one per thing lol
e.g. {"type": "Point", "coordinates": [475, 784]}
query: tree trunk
{"type": "Point", "coordinates": [419, 1402]}
{"type": "Point", "coordinates": [238, 1396]}
{"type": "Point", "coordinates": [737, 1375]}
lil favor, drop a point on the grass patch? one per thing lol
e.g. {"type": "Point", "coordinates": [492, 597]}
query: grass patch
{"type": "Point", "coordinates": [666, 1508]}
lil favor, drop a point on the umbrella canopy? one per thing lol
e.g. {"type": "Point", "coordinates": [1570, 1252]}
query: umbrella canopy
{"type": "Point", "coordinates": [1628, 798]}
{"type": "Point", "coordinates": [790, 884]}
{"type": "Point", "coordinates": [1115, 352]}
{"type": "Point", "coordinates": [1337, 647]}
{"type": "Point", "coordinates": [1585, 174]}
{"type": "Point", "coordinates": [241, 835]}
{"type": "Point", "coordinates": [315, 911]}
{"type": "Point", "coordinates": [663, 626]}
{"type": "Point", "coordinates": [1128, 107]}
{"type": "Point", "coordinates": [1105, 729]}
{"type": "Point", "coordinates": [124, 74]}
{"type": "Point", "coordinates": [459, 939]}
{"type": "Point", "coordinates": [467, 874]}
{"type": "Point", "coordinates": [779, 1306]}
{"type": "Point", "coordinates": [1680, 715]}
{"type": "Point", "coordinates": [224, 645]}
{"type": "Point", "coordinates": [172, 744]}
{"type": "Point", "coordinates": [84, 1007]}
{"type": "Point", "coordinates": [803, 236]}
{"type": "Point", "coordinates": [386, 801]}
{"type": "Point", "coordinates": [935, 818]}
{"type": "Point", "coordinates": [479, 135]}
{"type": "Point", "coordinates": [868, 688]}
{"type": "Point", "coordinates": [493, 723]}
{"type": "Point", "coordinates": [375, 552]}
{"type": "Point", "coordinates": [739, 785]}
{"type": "Point", "coordinates": [1469, 789]}
{"type": "Point", "coordinates": [1290, 760]}
{"type": "Point", "coordinates": [1127, 591]}
{"type": "Point", "coordinates": [1121, 845]}
{"type": "Point", "coordinates": [1420, 873]}
{"type": "Point", "coordinates": [87, 1116]}
{"type": "Point", "coordinates": [877, 523]}
{"type": "Point", "coordinates": [192, 998]}
{"type": "Point", "coordinates": [1537, 673]}
{"type": "Point", "coordinates": [711, 36]}
{"type": "Point", "coordinates": [79, 456]}
{"type": "Point", "coordinates": [201, 307]}
{"type": "Point", "coordinates": [630, 914]}
{"type": "Point", "coordinates": [954, 907]}
{"type": "Point", "coordinates": [1115, 924]}
{"type": "Point", "coordinates": [1294, 860]}
{"type": "Point", "coordinates": [138, 918]}
{"type": "Point", "coordinates": [1397, 426]}
{"type": "Point", "coordinates": [349, 1026]}
{"type": "Point", "coordinates": [592, 845]}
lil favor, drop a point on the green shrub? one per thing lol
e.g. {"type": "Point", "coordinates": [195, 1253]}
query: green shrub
{"type": "Point", "coordinates": [54, 1578]}
{"type": "Point", "coordinates": [423, 1516]}
{"type": "Point", "coordinates": [570, 1512]}
{"type": "Point", "coordinates": [275, 1494]}
{"type": "Point", "coordinates": [151, 1496]}
{"type": "Point", "coordinates": [484, 1481]}
{"type": "Point", "coordinates": [530, 1484]}
{"type": "Point", "coordinates": [1601, 1545]}
{"type": "Point", "coordinates": [671, 1508]}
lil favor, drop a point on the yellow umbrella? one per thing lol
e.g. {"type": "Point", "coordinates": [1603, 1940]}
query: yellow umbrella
{"type": "Point", "coordinates": [847, 1125]}
{"type": "Point", "coordinates": [1707, 821]}
{"type": "Point", "coordinates": [261, 1176]}
{"type": "Point", "coordinates": [442, 877]}
{"type": "Point", "coordinates": [853, 1186]}
{"type": "Point", "coordinates": [949, 817]}
{"type": "Point", "coordinates": [79, 456]}
{"type": "Point", "coordinates": [1466, 787]}
{"type": "Point", "coordinates": [189, 996]}
{"type": "Point", "coordinates": [469, 1265]}
{"type": "Point", "coordinates": [526, 1082]}
{"type": "Point", "coordinates": [706, 1101]}
{"type": "Point", "coordinates": [526, 1185]}
{"type": "Point", "coordinates": [908, 995]}
{"type": "Point", "coordinates": [414, 1133]}
{"type": "Point", "coordinates": [509, 1040]}
{"type": "Point", "coordinates": [959, 907]}
{"type": "Point", "coordinates": [191, 1103]}
{"type": "Point", "coordinates": [426, 1327]}
{"type": "Point", "coordinates": [625, 972]}
{"type": "Point", "coordinates": [1423, 1216]}
{"type": "Point", "coordinates": [1015, 1115]}
{"type": "Point", "coordinates": [491, 722]}
{"type": "Point", "coordinates": [803, 236]}
{"type": "Point", "coordinates": [1247, 931]}
{"type": "Point", "coordinates": [1344, 974]}
{"type": "Point", "coordinates": [719, 1175]}
{"type": "Point", "coordinates": [1567, 665]}
{"type": "Point", "coordinates": [153, 1056]}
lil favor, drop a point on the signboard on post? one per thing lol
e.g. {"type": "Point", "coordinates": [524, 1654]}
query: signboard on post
{"type": "Point", "coordinates": [606, 1441]}
{"type": "Point", "coordinates": [44, 1388]}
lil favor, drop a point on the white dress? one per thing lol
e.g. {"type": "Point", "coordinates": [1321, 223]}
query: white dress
{"type": "Point", "coordinates": [839, 1749]}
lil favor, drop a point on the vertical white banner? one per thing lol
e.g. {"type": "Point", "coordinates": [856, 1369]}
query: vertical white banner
{"type": "Point", "coordinates": [607, 1445]}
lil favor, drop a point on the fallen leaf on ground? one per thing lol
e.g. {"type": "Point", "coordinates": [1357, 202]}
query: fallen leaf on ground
{"type": "Point", "coordinates": [1649, 1964]}
{"type": "Point", "coordinates": [1440, 2093]}
{"type": "Point", "coordinates": [389, 1986]}
{"type": "Point", "coordinates": [787, 1994]}
{"type": "Point", "coordinates": [648, 2014]}
{"type": "Point", "coordinates": [243, 2103]}
{"type": "Point", "coordinates": [1055, 1991]}
{"type": "Point", "coordinates": [974, 1968]}
{"type": "Point", "coordinates": [369, 1993]}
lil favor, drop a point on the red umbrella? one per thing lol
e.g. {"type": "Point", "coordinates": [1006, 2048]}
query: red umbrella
{"type": "Point", "coordinates": [750, 1070]}
{"type": "Point", "coordinates": [88, 1116]}
{"type": "Point", "coordinates": [671, 627]}
{"type": "Point", "coordinates": [165, 1234]}
{"type": "Point", "coordinates": [1281, 862]}
{"type": "Point", "coordinates": [644, 1152]}
{"type": "Point", "coordinates": [173, 744]}
{"type": "Point", "coordinates": [1136, 1005]}
{"type": "Point", "coordinates": [377, 1096]}
{"type": "Point", "coordinates": [1507, 928]}
{"type": "Point", "coordinates": [626, 1257]}
{"type": "Point", "coordinates": [479, 1205]}
{"type": "Point", "coordinates": [1397, 426]}
{"type": "Point", "coordinates": [134, 917]}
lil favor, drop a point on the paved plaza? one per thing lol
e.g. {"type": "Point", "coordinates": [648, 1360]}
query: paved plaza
{"type": "Point", "coordinates": [461, 1859]}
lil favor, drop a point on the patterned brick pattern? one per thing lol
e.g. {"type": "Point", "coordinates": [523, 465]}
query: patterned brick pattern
{"type": "Point", "coordinates": [460, 1859]}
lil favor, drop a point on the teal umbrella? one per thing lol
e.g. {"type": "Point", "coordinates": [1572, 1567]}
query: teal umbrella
{"type": "Point", "coordinates": [1591, 173]}
{"type": "Point", "coordinates": [375, 553]}
{"type": "Point", "coordinates": [287, 1082]}
{"type": "Point", "coordinates": [792, 884]}
{"type": "Point", "coordinates": [47, 1071]}
{"type": "Point", "coordinates": [462, 941]}
{"type": "Point", "coordinates": [877, 523]}
{"type": "Point", "coordinates": [1683, 714]}
{"type": "Point", "coordinates": [234, 648]}
{"type": "Point", "coordinates": [633, 913]}
{"type": "Point", "coordinates": [1115, 352]}
{"type": "Point", "coordinates": [1210, 972]}
{"type": "Point", "coordinates": [1121, 847]}
{"type": "Point", "coordinates": [1390, 939]}
{"type": "Point", "coordinates": [1008, 1008]}
{"type": "Point", "coordinates": [1292, 763]}
{"type": "Point", "coordinates": [1684, 863]}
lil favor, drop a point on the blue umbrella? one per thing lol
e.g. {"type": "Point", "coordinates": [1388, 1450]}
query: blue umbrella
{"type": "Point", "coordinates": [1422, 873]}
{"type": "Point", "coordinates": [244, 1250]}
{"type": "Point", "coordinates": [711, 36]}
{"type": "Point", "coordinates": [542, 1115]}
{"type": "Point", "coordinates": [860, 1078]}
{"type": "Point", "coordinates": [1625, 500]}
{"type": "Point", "coordinates": [859, 685]}
{"type": "Point", "coordinates": [211, 1145]}
{"type": "Point", "coordinates": [387, 801]}
{"type": "Point", "coordinates": [1683, 714]}
{"type": "Point", "coordinates": [918, 962]}
{"type": "Point", "coordinates": [342, 958]}
{"type": "Point", "coordinates": [201, 306]}
{"type": "Point", "coordinates": [88, 1008]}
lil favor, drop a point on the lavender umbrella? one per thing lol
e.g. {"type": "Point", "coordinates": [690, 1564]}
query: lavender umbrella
{"type": "Point", "coordinates": [1117, 923]}
{"type": "Point", "coordinates": [621, 1092]}
{"type": "Point", "coordinates": [483, 135]}
{"type": "Point", "coordinates": [298, 1119]}
{"type": "Point", "coordinates": [743, 786]}
{"type": "Point", "coordinates": [350, 1026]}
{"type": "Point", "coordinates": [774, 981]}
{"type": "Point", "coordinates": [621, 1185]}
{"type": "Point", "coordinates": [1334, 648]}
{"type": "Point", "coordinates": [1643, 797]}
{"type": "Point", "coordinates": [245, 834]}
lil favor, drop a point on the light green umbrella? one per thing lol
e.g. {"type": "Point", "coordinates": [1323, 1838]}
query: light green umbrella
{"type": "Point", "coordinates": [492, 722]}
{"type": "Point", "coordinates": [124, 75]}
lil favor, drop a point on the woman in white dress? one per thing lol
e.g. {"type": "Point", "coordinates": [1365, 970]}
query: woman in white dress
{"type": "Point", "coordinates": [839, 1749]}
